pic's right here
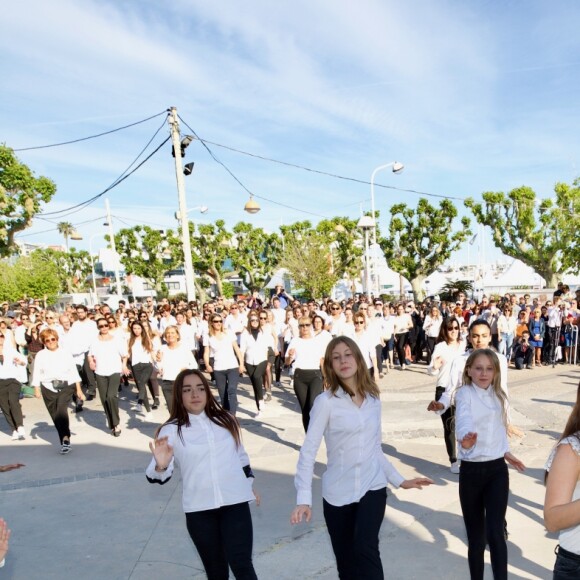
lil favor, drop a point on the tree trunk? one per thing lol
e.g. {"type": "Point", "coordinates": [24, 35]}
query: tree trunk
{"type": "Point", "coordinates": [417, 285]}
{"type": "Point", "coordinates": [549, 276]}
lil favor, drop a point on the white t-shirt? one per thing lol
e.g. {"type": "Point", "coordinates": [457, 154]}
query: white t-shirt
{"type": "Point", "coordinates": [109, 355]}
{"type": "Point", "coordinates": [54, 365]}
{"type": "Point", "coordinates": [308, 352]}
{"type": "Point", "coordinates": [174, 360]}
{"type": "Point", "coordinates": [222, 351]}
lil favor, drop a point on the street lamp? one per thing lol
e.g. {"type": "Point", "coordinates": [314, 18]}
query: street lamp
{"type": "Point", "coordinates": [397, 169]}
{"type": "Point", "coordinates": [366, 223]}
{"type": "Point", "coordinates": [252, 206]}
{"type": "Point", "coordinates": [93, 265]}
{"type": "Point", "coordinates": [200, 208]}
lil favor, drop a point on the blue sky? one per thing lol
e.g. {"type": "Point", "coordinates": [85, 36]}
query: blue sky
{"type": "Point", "coordinates": [470, 96]}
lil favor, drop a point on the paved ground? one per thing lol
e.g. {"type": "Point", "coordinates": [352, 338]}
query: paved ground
{"type": "Point", "coordinates": [92, 515]}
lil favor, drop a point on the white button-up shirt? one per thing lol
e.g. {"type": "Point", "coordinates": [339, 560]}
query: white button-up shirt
{"type": "Point", "coordinates": [211, 465]}
{"type": "Point", "coordinates": [355, 459]}
{"type": "Point", "coordinates": [479, 411]}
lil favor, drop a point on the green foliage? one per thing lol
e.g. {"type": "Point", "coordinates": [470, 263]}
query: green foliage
{"type": "Point", "coordinates": [210, 247]}
{"type": "Point", "coordinates": [255, 254]}
{"type": "Point", "coordinates": [21, 195]}
{"type": "Point", "coordinates": [307, 256]}
{"type": "Point", "coordinates": [30, 276]}
{"type": "Point", "coordinates": [148, 253]}
{"type": "Point", "coordinates": [228, 289]}
{"type": "Point", "coordinates": [452, 289]}
{"type": "Point", "coordinates": [421, 240]}
{"type": "Point", "coordinates": [72, 268]}
{"type": "Point", "coordinates": [542, 234]}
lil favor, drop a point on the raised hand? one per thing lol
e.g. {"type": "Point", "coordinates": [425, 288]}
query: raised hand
{"type": "Point", "coordinates": [11, 467]}
{"type": "Point", "coordinates": [162, 451]}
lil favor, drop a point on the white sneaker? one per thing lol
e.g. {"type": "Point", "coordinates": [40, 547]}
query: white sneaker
{"type": "Point", "coordinates": [139, 408]}
{"type": "Point", "coordinates": [277, 384]}
{"type": "Point", "coordinates": [21, 433]}
{"type": "Point", "coordinates": [258, 415]}
{"type": "Point", "coordinates": [14, 435]}
{"type": "Point", "coordinates": [455, 467]}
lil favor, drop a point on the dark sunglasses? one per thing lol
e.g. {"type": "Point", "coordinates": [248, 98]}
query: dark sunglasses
{"type": "Point", "coordinates": [304, 325]}
{"type": "Point", "coordinates": [103, 326]}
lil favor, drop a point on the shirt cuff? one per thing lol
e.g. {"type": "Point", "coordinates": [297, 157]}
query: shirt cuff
{"type": "Point", "coordinates": [304, 497]}
{"type": "Point", "coordinates": [160, 475]}
{"type": "Point", "coordinates": [396, 479]}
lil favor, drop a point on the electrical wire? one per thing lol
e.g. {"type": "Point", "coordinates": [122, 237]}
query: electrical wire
{"type": "Point", "coordinates": [80, 206]}
{"type": "Point", "coordinates": [90, 136]}
{"type": "Point", "coordinates": [56, 229]}
{"type": "Point", "coordinates": [328, 174]}
{"type": "Point", "coordinates": [213, 156]}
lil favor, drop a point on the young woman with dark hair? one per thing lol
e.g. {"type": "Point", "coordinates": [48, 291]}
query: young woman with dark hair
{"type": "Point", "coordinates": [447, 347]}
{"type": "Point", "coordinates": [141, 355]}
{"type": "Point", "coordinates": [354, 485]}
{"type": "Point", "coordinates": [204, 440]}
{"type": "Point", "coordinates": [561, 505]}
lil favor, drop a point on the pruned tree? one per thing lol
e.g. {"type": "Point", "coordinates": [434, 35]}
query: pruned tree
{"type": "Point", "coordinates": [211, 247]}
{"type": "Point", "coordinates": [72, 267]}
{"type": "Point", "coordinates": [37, 276]}
{"type": "Point", "coordinates": [541, 233]}
{"type": "Point", "coordinates": [308, 258]}
{"type": "Point", "coordinates": [147, 253]}
{"type": "Point", "coordinates": [255, 254]}
{"type": "Point", "coordinates": [420, 240]}
{"type": "Point", "coordinates": [346, 242]}
{"type": "Point", "coordinates": [21, 196]}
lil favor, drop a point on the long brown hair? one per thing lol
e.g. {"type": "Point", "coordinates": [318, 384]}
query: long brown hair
{"type": "Point", "coordinates": [145, 340]}
{"type": "Point", "coordinates": [573, 423]}
{"type": "Point", "coordinates": [496, 381]}
{"type": "Point", "coordinates": [179, 416]}
{"type": "Point", "coordinates": [444, 330]}
{"type": "Point", "coordinates": [365, 383]}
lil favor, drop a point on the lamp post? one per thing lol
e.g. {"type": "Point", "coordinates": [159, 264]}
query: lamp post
{"type": "Point", "coordinates": [93, 266]}
{"type": "Point", "coordinates": [366, 223]}
{"type": "Point", "coordinates": [397, 168]}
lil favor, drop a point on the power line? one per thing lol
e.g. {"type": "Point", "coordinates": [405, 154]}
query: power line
{"type": "Point", "coordinates": [78, 207]}
{"type": "Point", "coordinates": [241, 184]}
{"type": "Point", "coordinates": [90, 136]}
{"type": "Point", "coordinates": [328, 174]}
{"type": "Point", "coordinates": [56, 229]}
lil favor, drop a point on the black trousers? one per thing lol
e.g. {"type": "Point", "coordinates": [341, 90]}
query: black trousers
{"type": "Point", "coordinates": [430, 341]}
{"type": "Point", "coordinates": [227, 386]}
{"type": "Point", "coordinates": [256, 375]}
{"type": "Point", "coordinates": [567, 565]}
{"type": "Point", "coordinates": [108, 387]}
{"type": "Point", "coordinates": [354, 534]}
{"type": "Point", "coordinates": [379, 355]}
{"type": "Point", "coordinates": [483, 494]}
{"type": "Point", "coordinates": [448, 419]}
{"type": "Point", "coordinates": [224, 539]}
{"type": "Point", "coordinates": [57, 407]}
{"type": "Point", "coordinates": [400, 342]}
{"type": "Point", "coordinates": [167, 389]}
{"type": "Point", "coordinates": [307, 386]}
{"type": "Point", "coordinates": [10, 402]}
{"type": "Point", "coordinates": [142, 373]}
{"type": "Point", "coordinates": [527, 359]}
{"type": "Point", "coordinates": [88, 377]}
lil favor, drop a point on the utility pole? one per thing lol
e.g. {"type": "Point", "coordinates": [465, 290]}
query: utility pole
{"type": "Point", "coordinates": [184, 222]}
{"type": "Point", "coordinates": [113, 248]}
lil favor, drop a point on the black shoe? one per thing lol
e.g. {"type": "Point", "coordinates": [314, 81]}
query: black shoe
{"type": "Point", "coordinates": [90, 397]}
{"type": "Point", "coordinates": [116, 432]}
{"type": "Point", "coordinates": [79, 407]}
{"type": "Point", "coordinates": [155, 403]}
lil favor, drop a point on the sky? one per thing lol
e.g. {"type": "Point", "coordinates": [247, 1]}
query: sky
{"type": "Point", "coordinates": [470, 96]}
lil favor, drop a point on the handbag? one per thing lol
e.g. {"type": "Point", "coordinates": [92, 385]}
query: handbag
{"type": "Point", "coordinates": [59, 385]}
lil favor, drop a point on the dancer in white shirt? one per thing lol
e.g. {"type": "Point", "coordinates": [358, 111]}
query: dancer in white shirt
{"type": "Point", "coordinates": [481, 426]}
{"type": "Point", "coordinates": [354, 485]}
{"type": "Point", "coordinates": [204, 440]}
{"type": "Point", "coordinates": [56, 377]}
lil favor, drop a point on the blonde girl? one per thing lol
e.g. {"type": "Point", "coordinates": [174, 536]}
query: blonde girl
{"type": "Point", "coordinates": [481, 427]}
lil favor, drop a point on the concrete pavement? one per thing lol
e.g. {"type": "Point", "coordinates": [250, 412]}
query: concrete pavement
{"type": "Point", "coordinates": [92, 514]}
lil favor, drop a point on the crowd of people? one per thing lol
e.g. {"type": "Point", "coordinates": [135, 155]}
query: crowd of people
{"type": "Point", "coordinates": [336, 352]}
